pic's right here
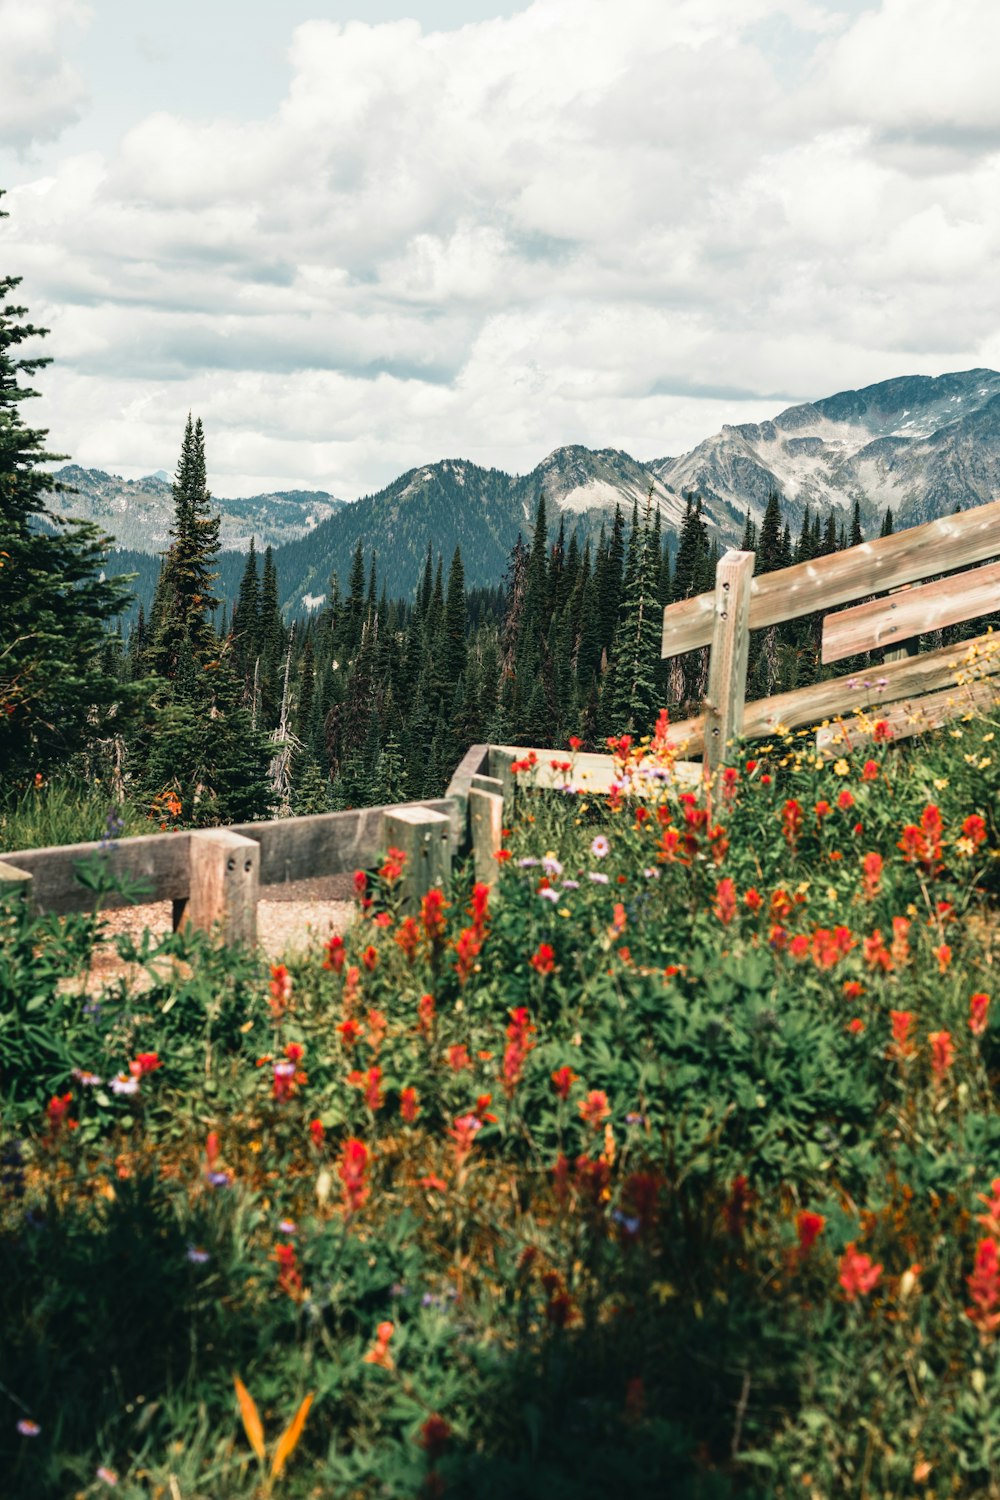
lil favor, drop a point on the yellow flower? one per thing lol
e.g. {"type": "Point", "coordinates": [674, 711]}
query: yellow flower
{"type": "Point", "coordinates": [841, 768]}
{"type": "Point", "coordinates": [986, 761]}
{"type": "Point", "coordinates": [940, 782]}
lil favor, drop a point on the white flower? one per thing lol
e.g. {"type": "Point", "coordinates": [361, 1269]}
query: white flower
{"type": "Point", "coordinates": [600, 848]}
{"type": "Point", "coordinates": [124, 1084]}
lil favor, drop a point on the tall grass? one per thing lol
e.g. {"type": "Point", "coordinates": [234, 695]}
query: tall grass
{"type": "Point", "coordinates": [65, 812]}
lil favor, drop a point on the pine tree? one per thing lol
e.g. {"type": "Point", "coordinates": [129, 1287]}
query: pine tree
{"type": "Point", "coordinates": [56, 695]}
{"type": "Point", "coordinates": [887, 523]}
{"type": "Point", "coordinates": [182, 624]}
{"type": "Point", "coordinates": [770, 547]}
{"type": "Point", "coordinates": [246, 617]}
{"type": "Point", "coordinates": [454, 653]}
{"type": "Point", "coordinates": [857, 535]}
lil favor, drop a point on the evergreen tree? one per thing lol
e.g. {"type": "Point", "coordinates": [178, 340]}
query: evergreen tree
{"type": "Point", "coordinates": [185, 600]}
{"type": "Point", "coordinates": [770, 547]}
{"type": "Point", "coordinates": [454, 654]}
{"type": "Point", "coordinates": [887, 523]}
{"type": "Point", "coordinates": [57, 695]}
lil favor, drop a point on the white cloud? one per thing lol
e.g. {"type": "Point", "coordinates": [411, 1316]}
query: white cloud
{"type": "Point", "coordinates": [40, 94]}
{"type": "Point", "coordinates": [618, 225]}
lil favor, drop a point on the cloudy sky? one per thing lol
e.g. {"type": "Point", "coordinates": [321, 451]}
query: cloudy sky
{"type": "Point", "coordinates": [360, 235]}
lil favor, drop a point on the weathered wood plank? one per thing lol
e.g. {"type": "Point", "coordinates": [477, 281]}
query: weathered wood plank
{"type": "Point", "coordinates": [874, 567]}
{"type": "Point", "coordinates": [424, 836]}
{"type": "Point", "coordinates": [485, 828]}
{"type": "Point", "coordinates": [727, 668]}
{"type": "Point", "coordinates": [501, 758]}
{"type": "Point", "coordinates": [159, 859]}
{"type": "Point", "coordinates": [14, 882]}
{"type": "Point", "coordinates": [224, 883]}
{"type": "Point", "coordinates": [915, 715]}
{"type": "Point", "coordinates": [324, 843]}
{"type": "Point", "coordinates": [488, 784]}
{"type": "Point", "coordinates": [929, 671]}
{"type": "Point", "coordinates": [881, 623]}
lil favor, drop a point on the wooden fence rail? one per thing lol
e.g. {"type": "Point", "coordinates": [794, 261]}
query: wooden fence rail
{"type": "Point", "coordinates": [740, 603]}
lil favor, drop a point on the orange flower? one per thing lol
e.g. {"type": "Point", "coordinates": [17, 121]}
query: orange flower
{"type": "Point", "coordinates": [281, 990]}
{"type": "Point", "coordinates": [432, 910]}
{"type": "Point", "coordinates": [409, 1106]}
{"type": "Point", "coordinates": [316, 1133]}
{"type": "Point", "coordinates": [984, 1285]}
{"type": "Point", "coordinates": [974, 829]}
{"type": "Point", "coordinates": [350, 1030]}
{"type": "Point", "coordinates": [425, 1014]}
{"type": "Point", "coordinates": [942, 1053]}
{"type": "Point", "coordinates": [289, 1275]}
{"type": "Point", "coordinates": [869, 771]}
{"type": "Point", "coordinates": [752, 900]}
{"type": "Point", "coordinates": [876, 954]}
{"type": "Point", "coordinates": [377, 1028]}
{"type": "Point", "coordinates": [979, 1013]}
{"type": "Point", "coordinates": [902, 1022]}
{"type": "Point", "coordinates": [379, 1354]}
{"type": "Point", "coordinates": [370, 958]}
{"type": "Point", "coordinates": [856, 1027]}
{"type": "Point", "coordinates": [853, 990]}
{"type": "Point", "coordinates": [594, 1109]}
{"type": "Point", "coordinates": [458, 1057]}
{"type": "Point", "coordinates": [871, 867]}
{"type": "Point", "coordinates": [408, 937]}
{"type": "Point", "coordinates": [943, 955]}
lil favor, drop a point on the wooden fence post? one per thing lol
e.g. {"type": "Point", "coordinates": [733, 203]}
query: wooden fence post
{"type": "Point", "coordinates": [424, 836]}
{"type": "Point", "coordinates": [486, 828]}
{"type": "Point", "coordinates": [727, 667]}
{"type": "Point", "coordinates": [224, 884]}
{"type": "Point", "coordinates": [500, 763]}
{"type": "Point", "coordinates": [14, 881]}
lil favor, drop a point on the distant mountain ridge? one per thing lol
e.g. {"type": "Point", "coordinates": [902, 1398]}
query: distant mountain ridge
{"type": "Point", "coordinates": [138, 512]}
{"type": "Point", "coordinates": [923, 445]}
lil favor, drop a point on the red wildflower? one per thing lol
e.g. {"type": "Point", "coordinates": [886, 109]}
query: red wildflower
{"type": "Point", "coordinates": [376, 1028]}
{"type": "Point", "coordinates": [563, 1080]}
{"type": "Point", "coordinates": [738, 1206]}
{"type": "Point", "coordinates": [295, 1052]}
{"type": "Point", "coordinates": [974, 829]}
{"type": "Point", "coordinates": [594, 1110]}
{"type": "Point", "coordinates": [482, 1110]}
{"type": "Point", "coordinates": [458, 1057]}
{"type": "Point", "coordinates": [463, 1133]}
{"type": "Point", "coordinates": [409, 1106]}
{"type": "Point", "coordinates": [871, 867]}
{"type": "Point", "coordinates": [392, 869]}
{"type": "Point", "coordinates": [432, 915]}
{"type": "Point", "coordinates": [479, 906]}
{"type": "Point", "coordinates": [902, 1022]}
{"type": "Point", "coordinates": [725, 901]}
{"type": "Point", "coordinates": [408, 937]}
{"type": "Point", "coordinates": [942, 1053]}
{"type": "Point", "coordinates": [467, 950]}
{"type": "Point", "coordinates": [869, 771]}
{"type": "Point", "coordinates": [991, 1219]}
{"type": "Point", "coordinates": [853, 989]}
{"type": "Point", "coordinates": [984, 1285]}
{"type": "Point", "coordinates": [791, 821]}
{"type": "Point", "coordinates": [544, 960]}
{"type": "Point", "coordinates": [900, 940]}
{"type": "Point", "coordinates": [289, 1275]}
{"type": "Point", "coordinates": [753, 900]}
{"type": "Point", "coordinates": [808, 1226]}
{"type": "Point", "coordinates": [335, 954]}
{"type": "Point", "coordinates": [856, 1026]}
{"type": "Point", "coordinates": [425, 1014]}
{"type": "Point", "coordinates": [858, 1275]}
{"type": "Point", "coordinates": [350, 1030]}
{"type": "Point", "coordinates": [882, 731]}
{"type": "Point", "coordinates": [435, 1435]}
{"type": "Point", "coordinates": [352, 1169]}
{"type": "Point", "coordinates": [211, 1149]}
{"type": "Point", "coordinates": [370, 958]}
{"type": "Point", "coordinates": [822, 810]}
{"type": "Point", "coordinates": [143, 1063]}
{"type": "Point", "coordinates": [437, 1184]}
{"type": "Point", "coordinates": [57, 1114]}
{"type": "Point", "coordinates": [280, 990]}
{"type": "Point", "coordinates": [352, 988]}
{"type": "Point", "coordinates": [361, 889]}
{"type": "Point", "coordinates": [730, 778]}
{"type": "Point", "coordinates": [876, 954]}
{"type": "Point", "coordinates": [943, 955]}
{"type": "Point", "coordinates": [317, 1134]}
{"type": "Point", "coordinates": [374, 1097]}
{"type": "Point", "coordinates": [979, 1011]}
{"type": "Point", "coordinates": [845, 800]}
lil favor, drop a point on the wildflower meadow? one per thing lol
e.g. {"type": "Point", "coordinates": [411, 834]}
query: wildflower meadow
{"type": "Point", "coordinates": [668, 1163]}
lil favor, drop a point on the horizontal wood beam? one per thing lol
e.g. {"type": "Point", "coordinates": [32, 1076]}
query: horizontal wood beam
{"type": "Point", "coordinates": [873, 567]}
{"type": "Point", "coordinates": [321, 844]}
{"type": "Point", "coordinates": [885, 623]}
{"type": "Point", "coordinates": [160, 860]}
{"type": "Point", "coordinates": [590, 772]}
{"type": "Point", "coordinates": [915, 715]}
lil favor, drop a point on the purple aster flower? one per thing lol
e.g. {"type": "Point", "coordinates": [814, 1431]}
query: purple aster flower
{"type": "Point", "coordinates": [600, 848]}
{"type": "Point", "coordinates": [27, 1428]}
{"type": "Point", "coordinates": [598, 877]}
{"type": "Point", "coordinates": [287, 1226]}
{"type": "Point", "coordinates": [548, 894]}
{"type": "Point", "coordinates": [217, 1179]}
{"type": "Point", "coordinates": [197, 1256]}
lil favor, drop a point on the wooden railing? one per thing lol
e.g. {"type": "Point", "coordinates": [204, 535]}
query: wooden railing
{"type": "Point", "coordinates": [214, 876]}
{"type": "Point", "coordinates": [919, 692]}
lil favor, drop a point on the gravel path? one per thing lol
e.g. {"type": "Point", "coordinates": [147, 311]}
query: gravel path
{"type": "Point", "coordinates": [290, 918]}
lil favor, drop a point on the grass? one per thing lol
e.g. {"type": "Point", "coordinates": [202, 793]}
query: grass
{"type": "Point", "coordinates": [666, 1165]}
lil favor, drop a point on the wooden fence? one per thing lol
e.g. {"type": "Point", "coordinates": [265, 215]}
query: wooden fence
{"type": "Point", "coordinates": [214, 876]}
{"type": "Point", "coordinates": [911, 690]}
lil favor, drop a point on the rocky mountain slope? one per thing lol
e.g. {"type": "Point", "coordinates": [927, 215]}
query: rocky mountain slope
{"type": "Point", "coordinates": [922, 445]}
{"type": "Point", "coordinates": [138, 512]}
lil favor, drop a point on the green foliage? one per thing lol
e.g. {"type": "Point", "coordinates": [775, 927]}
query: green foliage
{"type": "Point", "coordinates": [594, 1276]}
{"type": "Point", "coordinates": [57, 695]}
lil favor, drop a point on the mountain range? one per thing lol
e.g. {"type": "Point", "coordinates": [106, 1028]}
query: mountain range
{"type": "Point", "coordinates": [922, 445]}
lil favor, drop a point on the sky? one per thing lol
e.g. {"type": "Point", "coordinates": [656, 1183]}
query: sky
{"type": "Point", "coordinates": [355, 238]}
